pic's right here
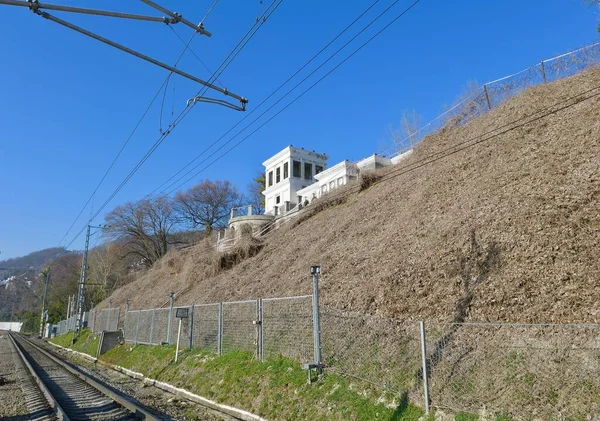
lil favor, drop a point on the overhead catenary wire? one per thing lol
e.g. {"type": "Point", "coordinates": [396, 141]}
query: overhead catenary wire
{"type": "Point", "coordinates": [137, 125]}
{"type": "Point", "coordinates": [401, 14]}
{"type": "Point", "coordinates": [247, 115]}
{"type": "Point", "coordinates": [240, 45]}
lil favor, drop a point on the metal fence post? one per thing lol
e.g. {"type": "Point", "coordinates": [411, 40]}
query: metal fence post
{"type": "Point", "coordinates": [316, 272]}
{"type": "Point", "coordinates": [137, 326]}
{"type": "Point", "coordinates": [118, 317]}
{"type": "Point", "coordinates": [487, 97]}
{"type": "Point", "coordinates": [152, 325]}
{"type": "Point", "coordinates": [424, 363]}
{"type": "Point", "coordinates": [544, 71]}
{"type": "Point", "coordinates": [259, 329]}
{"type": "Point", "coordinates": [172, 299]}
{"type": "Point", "coordinates": [125, 325]}
{"type": "Point", "coordinates": [220, 331]}
{"type": "Point", "coordinates": [191, 326]}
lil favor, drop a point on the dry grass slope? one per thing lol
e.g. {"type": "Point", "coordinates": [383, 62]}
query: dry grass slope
{"type": "Point", "coordinates": [506, 230]}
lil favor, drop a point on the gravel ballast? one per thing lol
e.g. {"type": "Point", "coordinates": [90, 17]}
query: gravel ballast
{"type": "Point", "coordinates": [11, 396]}
{"type": "Point", "coordinates": [150, 396]}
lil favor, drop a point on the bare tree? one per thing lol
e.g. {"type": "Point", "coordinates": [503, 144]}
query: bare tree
{"type": "Point", "coordinates": [208, 204]}
{"type": "Point", "coordinates": [143, 227]}
{"type": "Point", "coordinates": [407, 134]}
{"type": "Point", "coordinates": [255, 189]}
{"type": "Point", "coordinates": [107, 269]}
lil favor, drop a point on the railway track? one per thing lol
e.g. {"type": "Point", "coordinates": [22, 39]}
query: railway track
{"type": "Point", "coordinates": [54, 390]}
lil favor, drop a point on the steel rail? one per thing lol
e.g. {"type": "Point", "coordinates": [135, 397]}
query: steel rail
{"type": "Point", "coordinates": [60, 413]}
{"type": "Point", "coordinates": [137, 410]}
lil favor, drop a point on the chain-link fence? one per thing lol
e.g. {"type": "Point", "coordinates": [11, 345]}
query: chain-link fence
{"type": "Point", "coordinates": [519, 371]}
{"type": "Point", "coordinates": [287, 328]}
{"type": "Point", "coordinates": [539, 371]}
{"type": "Point", "coordinates": [381, 351]}
{"type": "Point", "coordinates": [69, 324]}
{"type": "Point", "coordinates": [265, 327]}
{"type": "Point", "coordinates": [480, 99]}
{"type": "Point", "coordinates": [105, 319]}
{"type": "Point", "coordinates": [206, 327]}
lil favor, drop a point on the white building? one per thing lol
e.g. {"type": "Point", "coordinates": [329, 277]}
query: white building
{"type": "Point", "coordinates": [332, 178]}
{"type": "Point", "coordinates": [287, 172]}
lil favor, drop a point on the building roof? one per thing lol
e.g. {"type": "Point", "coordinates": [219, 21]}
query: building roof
{"type": "Point", "coordinates": [289, 150]}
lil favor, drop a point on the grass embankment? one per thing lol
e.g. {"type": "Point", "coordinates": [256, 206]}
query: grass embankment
{"type": "Point", "coordinates": [276, 390]}
{"type": "Point", "coordinates": [87, 342]}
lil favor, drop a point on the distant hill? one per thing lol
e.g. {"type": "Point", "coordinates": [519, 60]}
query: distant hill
{"type": "Point", "coordinates": [20, 281]}
{"type": "Point", "coordinates": [36, 260]}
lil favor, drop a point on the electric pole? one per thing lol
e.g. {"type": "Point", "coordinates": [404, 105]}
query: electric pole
{"type": "Point", "coordinates": [81, 289]}
{"type": "Point", "coordinates": [79, 310]}
{"type": "Point", "coordinates": [46, 274]}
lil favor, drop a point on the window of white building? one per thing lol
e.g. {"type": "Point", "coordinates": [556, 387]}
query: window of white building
{"type": "Point", "coordinates": [296, 169]}
{"type": "Point", "coordinates": [270, 178]}
{"type": "Point", "coordinates": [308, 170]}
{"type": "Point", "coordinates": [285, 171]}
{"type": "Point", "coordinates": [278, 175]}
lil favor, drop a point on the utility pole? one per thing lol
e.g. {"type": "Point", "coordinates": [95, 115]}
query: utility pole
{"type": "Point", "coordinates": [81, 289]}
{"type": "Point", "coordinates": [46, 274]}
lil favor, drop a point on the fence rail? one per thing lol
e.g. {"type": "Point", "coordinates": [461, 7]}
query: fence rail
{"type": "Point", "coordinates": [519, 370]}
{"type": "Point", "coordinates": [483, 98]}
{"type": "Point", "coordinates": [97, 321]}
{"type": "Point", "coordinates": [266, 327]}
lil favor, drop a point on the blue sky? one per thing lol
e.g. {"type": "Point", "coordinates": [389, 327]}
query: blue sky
{"type": "Point", "coordinates": [68, 103]}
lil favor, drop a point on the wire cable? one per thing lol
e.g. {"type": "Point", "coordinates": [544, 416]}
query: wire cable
{"type": "Point", "coordinates": [179, 118]}
{"type": "Point", "coordinates": [406, 10]}
{"type": "Point", "coordinates": [247, 115]}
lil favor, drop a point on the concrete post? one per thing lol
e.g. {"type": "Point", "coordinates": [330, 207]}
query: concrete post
{"type": "Point", "coordinates": [249, 210]}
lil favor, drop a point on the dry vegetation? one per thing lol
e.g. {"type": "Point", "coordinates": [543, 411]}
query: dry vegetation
{"type": "Point", "coordinates": [505, 230]}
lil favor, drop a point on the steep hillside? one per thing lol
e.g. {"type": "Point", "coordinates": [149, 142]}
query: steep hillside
{"type": "Point", "coordinates": [471, 227]}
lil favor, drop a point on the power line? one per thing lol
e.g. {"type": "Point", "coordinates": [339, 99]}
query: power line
{"type": "Point", "coordinates": [484, 137]}
{"type": "Point", "coordinates": [245, 39]}
{"type": "Point", "coordinates": [267, 98]}
{"type": "Point", "coordinates": [164, 84]}
{"type": "Point", "coordinates": [406, 10]}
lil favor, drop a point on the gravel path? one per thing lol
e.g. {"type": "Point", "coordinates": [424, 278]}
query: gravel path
{"type": "Point", "coordinates": [148, 395]}
{"type": "Point", "coordinates": [11, 395]}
